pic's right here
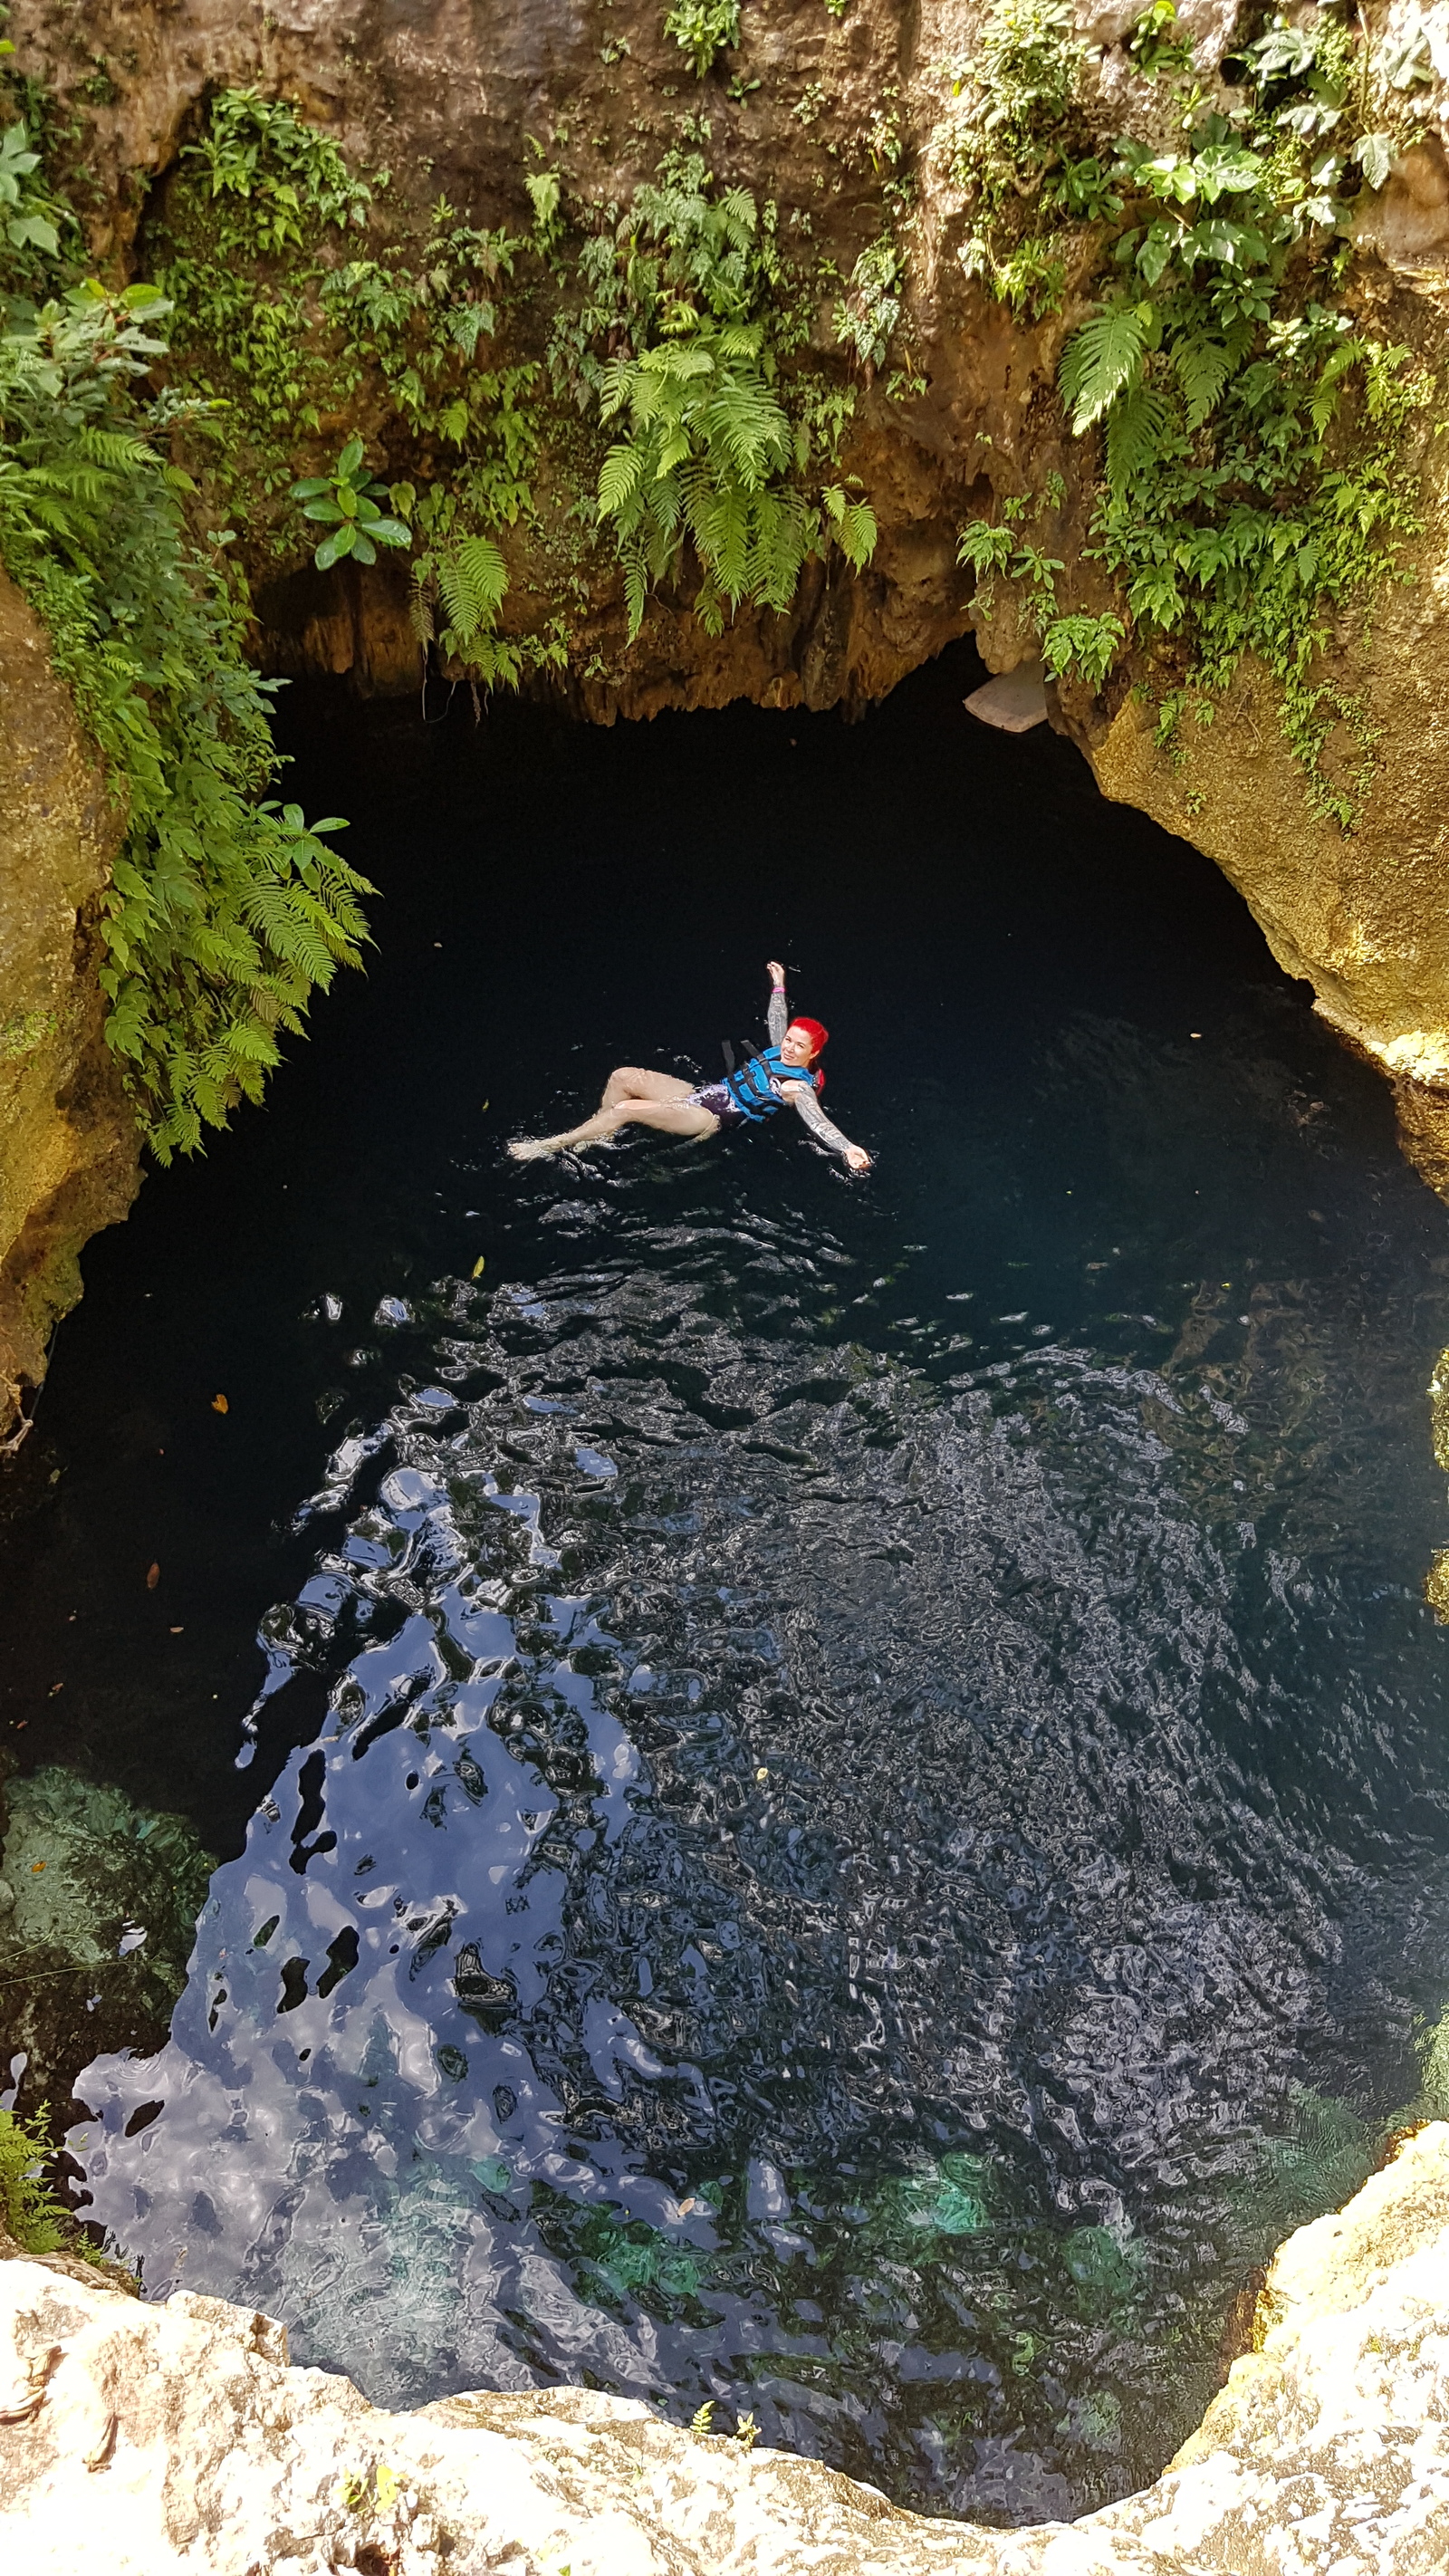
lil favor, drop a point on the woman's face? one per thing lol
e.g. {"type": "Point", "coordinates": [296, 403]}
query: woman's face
{"type": "Point", "coordinates": [794, 1046]}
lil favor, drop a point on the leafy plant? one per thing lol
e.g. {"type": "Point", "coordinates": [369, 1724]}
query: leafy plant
{"type": "Point", "coordinates": [707, 441]}
{"type": "Point", "coordinates": [702, 29]}
{"type": "Point", "coordinates": [708, 456]}
{"type": "Point", "coordinates": [287, 171]}
{"type": "Point", "coordinates": [1025, 153]}
{"type": "Point", "coordinates": [282, 335]}
{"type": "Point", "coordinates": [277, 330]}
{"type": "Point", "coordinates": [29, 217]}
{"type": "Point", "coordinates": [867, 314]}
{"type": "Point", "coordinates": [349, 502]}
{"type": "Point", "coordinates": [1157, 43]}
{"type": "Point", "coordinates": [545, 195]}
{"type": "Point", "coordinates": [1252, 443]}
{"type": "Point", "coordinates": [29, 2209]}
{"type": "Point", "coordinates": [225, 912]}
{"type": "Point", "coordinates": [460, 589]}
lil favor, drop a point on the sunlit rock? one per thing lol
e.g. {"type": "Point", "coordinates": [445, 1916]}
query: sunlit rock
{"type": "Point", "coordinates": [144, 2438]}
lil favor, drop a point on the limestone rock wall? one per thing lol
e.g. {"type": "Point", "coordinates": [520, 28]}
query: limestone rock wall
{"type": "Point", "coordinates": [69, 1161]}
{"type": "Point", "coordinates": [142, 2439]}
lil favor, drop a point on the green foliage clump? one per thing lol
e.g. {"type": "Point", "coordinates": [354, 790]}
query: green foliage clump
{"type": "Point", "coordinates": [461, 584]}
{"type": "Point", "coordinates": [1025, 155]}
{"type": "Point", "coordinates": [1074, 641]}
{"type": "Point", "coordinates": [29, 2209]}
{"type": "Point", "coordinates": [867, 314]}
{"type": "Point", "coordinates": [225, 912]}
{"type": "Point", "coordinates": [286, 172]}
{"type": "Point", "coordinates": [349, 501]}
{"type": "Point", "coordinates": [236, 253]}
{"type": "Point", "coordinates": [1157, 43]}
{"type": "Point", "coordinates": [30, 220]}
{"type": "Point", "coordinates": [1252, 442]}
{"type": "Point", "coordinates": [710, 455]}
{"type": "Point", "coordinates": [280, 322]}
{"type": "Point", "coordinates": [702, 29]}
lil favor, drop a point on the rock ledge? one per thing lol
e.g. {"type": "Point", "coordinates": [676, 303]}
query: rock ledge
{"type": "Point", "coordinates": [143, 2439]}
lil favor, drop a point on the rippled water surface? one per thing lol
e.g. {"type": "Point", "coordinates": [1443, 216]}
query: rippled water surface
{"type": "Point", "coordinates": [847, 1811]}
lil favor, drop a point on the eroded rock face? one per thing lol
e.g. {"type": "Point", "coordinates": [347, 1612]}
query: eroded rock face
{"type": "Point", "coordinates": [177, 2436]}
{"type": "Point", "coordinates": [69, 1156]}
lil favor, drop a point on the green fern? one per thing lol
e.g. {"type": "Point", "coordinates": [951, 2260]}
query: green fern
{"type": "Point", "coordinates": [705, 458]}
{"type": "Point", "coordinates": [1104, 360]}
{"type": "Point", "coordinates": [225, 912]}
{"type": "Point", "coordinates": [29, 2209]}
{"type": "Point", "coordinates": [1136, 427]}
{"type": "Point", "coordinates": [1203, 366]}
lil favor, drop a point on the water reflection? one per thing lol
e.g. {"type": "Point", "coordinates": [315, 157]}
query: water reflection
{"type": "Point", "coordinates": [809, 1892]}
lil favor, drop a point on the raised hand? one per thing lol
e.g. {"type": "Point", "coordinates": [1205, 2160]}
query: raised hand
{"type": "Point", "coordinates": [775, 971]}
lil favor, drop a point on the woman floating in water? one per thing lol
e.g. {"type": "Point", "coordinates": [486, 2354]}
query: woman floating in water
{"type": "Point", "coordinates": [787, 1071]}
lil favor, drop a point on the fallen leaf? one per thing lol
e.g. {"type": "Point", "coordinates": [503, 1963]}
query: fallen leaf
{"type": "Point", "coordinates": [478, 1267]}
{"type": "Point", "coordinates": [219, 1404]}
{"type": "Point", "coordinates": [153, 1577]}
{"type": "Point", "coordinates": [485, 1104]}
{"type": "Point", "coordinates": [36, 1867]}
{"type": "Point", "coordinates": [54, 1687]}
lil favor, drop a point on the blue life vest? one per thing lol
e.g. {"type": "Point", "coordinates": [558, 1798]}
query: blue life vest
{"type": "Point", "coordinates": [752, 1087]}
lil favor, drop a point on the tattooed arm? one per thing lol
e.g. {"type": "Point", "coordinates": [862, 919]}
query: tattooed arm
{"type": "Point", "coordinates": [802, 1097]}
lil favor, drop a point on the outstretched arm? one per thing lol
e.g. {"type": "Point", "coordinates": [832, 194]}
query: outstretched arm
{"type": "Point", "coordinates": [779, 1016]}
{"type": "Point", "coordinates": [802, 1097]}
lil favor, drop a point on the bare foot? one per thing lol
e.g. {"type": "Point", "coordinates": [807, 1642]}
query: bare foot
{"type": "Point", "coordinates": [532, 1149]}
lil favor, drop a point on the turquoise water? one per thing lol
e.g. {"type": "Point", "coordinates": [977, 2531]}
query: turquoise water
{"type": "Point", "coordinates": [843, 1806]}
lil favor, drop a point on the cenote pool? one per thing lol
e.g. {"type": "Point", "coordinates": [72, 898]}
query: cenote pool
{"type": "Point", "coordinates": [843, 1796]}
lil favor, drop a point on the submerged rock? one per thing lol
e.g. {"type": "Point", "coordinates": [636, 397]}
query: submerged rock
{"type": "Point", "coordinates": [177, 2435]}
{"type": "Point", "coordinates": [94, 1942]}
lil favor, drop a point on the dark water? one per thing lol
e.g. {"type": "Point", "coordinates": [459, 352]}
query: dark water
{"type": "Point", "coordinates": [848, 1811]}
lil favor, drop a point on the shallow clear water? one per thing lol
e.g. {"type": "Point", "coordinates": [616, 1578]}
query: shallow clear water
{"type": "Point", "coordinates": [848, 1807]}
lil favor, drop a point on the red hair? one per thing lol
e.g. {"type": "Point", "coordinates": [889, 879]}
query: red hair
{"type": "Point", "coordinates": [819, 1037]}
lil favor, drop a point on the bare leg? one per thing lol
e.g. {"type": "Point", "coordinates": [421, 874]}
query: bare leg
{"type": "Point", "coordinates": [632, 1089]}
{"type": "Point", "coordinates": [632, 1082]}
{"type": "Point", "coordinates": [669, 1117]}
